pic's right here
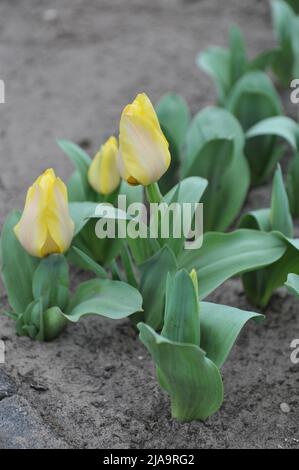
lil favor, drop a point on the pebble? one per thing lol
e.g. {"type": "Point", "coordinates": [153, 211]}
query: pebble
{"type": "Point", "coordinates": [285, 407]}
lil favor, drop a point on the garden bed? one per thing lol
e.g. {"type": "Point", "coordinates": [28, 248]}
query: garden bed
{"type": "Point", "coordinates": [95, 385]}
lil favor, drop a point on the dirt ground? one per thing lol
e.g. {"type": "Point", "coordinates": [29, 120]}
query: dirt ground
{"type": "Point", "coordinates": [69, 78]}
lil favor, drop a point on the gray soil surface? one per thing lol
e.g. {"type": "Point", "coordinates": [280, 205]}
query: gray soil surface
{"type": "Point", "coordinates": [69, 78]}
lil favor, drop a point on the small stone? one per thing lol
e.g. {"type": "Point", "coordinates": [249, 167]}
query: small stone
{"type": "Point", "coordinates": [285, 407]}
{"type": "Point", "coordinates": [50, 15]}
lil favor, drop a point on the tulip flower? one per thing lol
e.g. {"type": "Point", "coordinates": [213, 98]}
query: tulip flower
{"type": "Point", "coordinates": [103, 174]}
{"type": "Point", "coordinates": [45, 226]}
{"type": "Point", "coordinates": [144, 151]}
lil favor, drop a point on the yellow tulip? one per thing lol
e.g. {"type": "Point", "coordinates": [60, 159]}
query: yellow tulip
{"type": "Point", "coordinates": [103, 174]}
{"type": "Point", "coordinates": [46, 226]}
{"type": "Point", "coordinates": [144, 151]}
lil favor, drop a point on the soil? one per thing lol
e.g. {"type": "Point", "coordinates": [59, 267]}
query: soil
{"type": "Point", "coordinates": [69, 77]}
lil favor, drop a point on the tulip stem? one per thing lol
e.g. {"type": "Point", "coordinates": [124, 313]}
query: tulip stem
{"type": "Point", "coordinates": [153, 193]}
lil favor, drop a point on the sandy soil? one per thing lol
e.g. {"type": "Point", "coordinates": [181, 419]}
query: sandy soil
{"type": "Point", "coordinates": [70, 77]}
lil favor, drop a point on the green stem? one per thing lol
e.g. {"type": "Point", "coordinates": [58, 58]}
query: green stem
{"type": "Point", "coordinates": [153, 193]}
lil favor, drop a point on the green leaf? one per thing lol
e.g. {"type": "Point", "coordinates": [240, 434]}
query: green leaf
{"type": "Point", "coordinates": [216, 62]}
{"type": "Point", "coordinates": [89, 263]}
{"type": "Point", "coordinates": [256, 220]}
{"type": "Point", "coordinates": [82, 162]}
{"type": "Point", "coordinates": [153, 284]}
{"type": "Point", "coordinates": [214, 150]}
{"type": "Point", "coordinates": [220, 326]}
{"type": "Point", "coordinates": [280, 217]}
{"type": "Point", "coordinates": [253, 99]}
{"type": "Point", "coordinates": [51, 282]}
{"type": "Point", "coordinates": [181, 318]}
{"type": "Point", "coordinates": [54, 323]}
{"type": "Point", "coordinates": [260, 285]}
{"type": "Point", "coordinates": [224, 255]}
{"type": "Point", "coordinates": [80, 212]}
{"type": "Point", "coordinates": [294, 4]}
{"type": "Point", "coordinates": [17, 266]}
{"type": "Point", "coordinates": [286, 27]}
{"type": "Point", "coordinates": [238, 54]}
{"type": "Point", "coordinates": [293, 185]}
{"type": "Point", "coordinates": [112, 299]}
{"type": "Point", "coordinates": [292, 284]}
{"type": "Point", "coordinates": [174, 117]}
{"type": "Point", "coordinates": [191, 379]}
{"type": "Point", "coordinates": [187, 191]}
{"type": "Point", "coordinates": [279, 126]}
{"type": "Point", "coordinates": [263, 60]}
{"type": "Point", "coordinates": [76, 189]}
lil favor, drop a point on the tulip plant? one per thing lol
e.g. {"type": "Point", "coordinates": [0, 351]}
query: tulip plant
{"type": "Point", "coordinates": [194, 343]}
{"type": "Point", "coordinates": [35, 271]}
{"type": "Point", "coordinates": [260, 285]}
{"type": "Point", "coordinates": [228, 66]}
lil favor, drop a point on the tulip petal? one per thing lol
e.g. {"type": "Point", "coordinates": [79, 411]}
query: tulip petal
{"type": "Point", "coordinates": [31, 230]}
{"type": "Point", "coordinates": [60, 225]}
{"type": "Point", "coordinates": [144, 149]}
{"type": "Point", "coordinates": [143, 107]}
{"type": "Point", "coordinates": [103, 174]}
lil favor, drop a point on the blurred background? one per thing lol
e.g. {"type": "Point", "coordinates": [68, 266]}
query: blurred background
{"type": "Point", "coordinates": [70, 66]}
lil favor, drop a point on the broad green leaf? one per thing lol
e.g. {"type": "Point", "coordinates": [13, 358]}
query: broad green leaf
{"type": "Point", "coordinates": [224, 255]}
{"type": "Point", "coordinates": [256, 220]}
{"type": "Point", "coordinates": [220, 326]}
{"type": "Point", "coordinates": [263, 60]}
{"type": "Point", "coordinates": [253, 99]}
{"type": "Point", "coordinates": [54, 323]}
{"type": "Point", "coordinates": [153, 284]}
{"type": "Point", "coordinates": [112, 299]}
{"type": "Point", "coordinates": [17, 266]}
{"type": "Point", "coordinates": [292, 284]}
{"type": "Point", "coordinates": [286, 28]}
{"type": "Point", "coordinates": [181, 317]}
{"type": "Point", "coordinates": [279, 126]}
{"type": "Point", "coordinates": [215, 61]}
{"type": "Point", "coordinates": [89, 263]}
{"type": "Point", "coordinates": [293, 185]}
{"type": "Point", "coordinates": [214, 150]}
{"type": "Point", "coordinates": [76, 189]}
{"type": "Point", "coordinates": [188, 191]}
{"type": "Point", "coordinates": [81, 161]}
{"type": "Point", "coordinates": [294, 4]}
{"type": "Point", "coordinates": [81, 212]}
{"type": "Point", "coordinates": [174, 118]}
{"type": "Point", "coordinates": [132, 193]}
{"type": "Point", "coordinates": [280, 217]}
{"type": "Point", "coordinates": [191, 379]}
{"type": "Point", "coordinates": [100, 250]}
{"type": "Point", "coordinates": [51, 282]}
{"type": "Point", "coordinates": [260, 285]}
{"type": "Point", "coordinates": [238, 54]}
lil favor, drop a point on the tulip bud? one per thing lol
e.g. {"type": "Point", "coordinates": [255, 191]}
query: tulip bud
{"type": "Point", "coordinates": [194, 278]}
{"type": "Point", "coordinates": [144, 151]}
{"type": "Point", "coordinates": [45, 226]}
{"type": "Point", "coordinates": [103, 174]}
